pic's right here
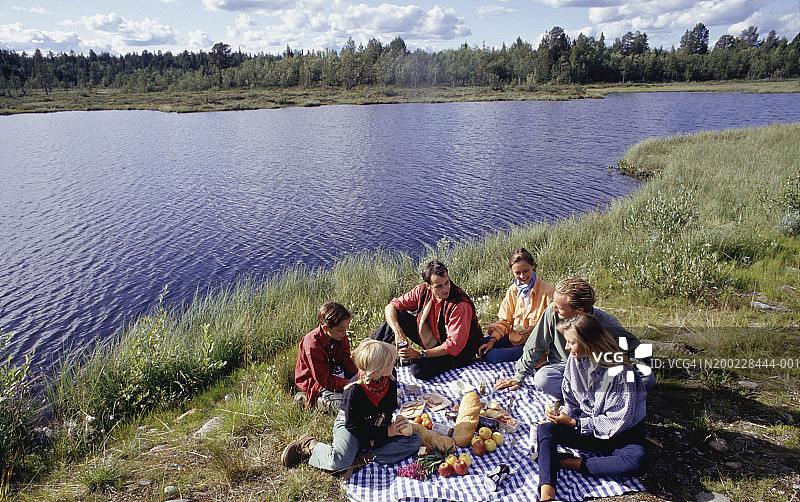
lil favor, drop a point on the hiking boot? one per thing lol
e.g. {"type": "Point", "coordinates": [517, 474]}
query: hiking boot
{"type": "Point", "coordinates": [300, 399]}
{"type": "Point", "coordinates": [298, 450]}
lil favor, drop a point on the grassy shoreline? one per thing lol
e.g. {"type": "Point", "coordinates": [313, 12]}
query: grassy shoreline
{"type": "Point", "coordinates": [679, 262]}
{"type": "Point", "coordinates": [252, 99]}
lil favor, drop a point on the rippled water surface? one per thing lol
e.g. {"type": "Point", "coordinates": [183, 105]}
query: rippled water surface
{"type": "Point", "coordinates": [102, 209]}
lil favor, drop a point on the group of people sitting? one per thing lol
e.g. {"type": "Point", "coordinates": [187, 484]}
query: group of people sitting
{"type": "Point", "coordinates": [556, 335]}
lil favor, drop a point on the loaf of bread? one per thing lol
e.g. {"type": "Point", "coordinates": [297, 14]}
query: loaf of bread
{"type": "Point", "coordinates": [433, 439]}
{"type": "Point", "coordinates": [468, 419]}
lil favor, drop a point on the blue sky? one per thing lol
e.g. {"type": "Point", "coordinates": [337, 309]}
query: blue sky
{"type": "Point", "coordinates": [269, 25]}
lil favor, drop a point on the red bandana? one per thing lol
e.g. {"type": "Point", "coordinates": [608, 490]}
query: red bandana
{"type": "Point", "coordinates": [375, 390]}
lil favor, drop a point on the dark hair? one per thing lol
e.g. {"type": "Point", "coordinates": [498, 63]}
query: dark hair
{"type": "Point", "coordinates": [433, 268]}
{"type": "Point", "coordinates": [521, 254]}
{"type": "Point", "coordinates": [330, 314]}
{"type": "Point", "coordinates": [579, 292]}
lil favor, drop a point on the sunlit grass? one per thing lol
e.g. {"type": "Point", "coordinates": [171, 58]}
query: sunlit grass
{"type": "Point", "coordinates": [679, 261]}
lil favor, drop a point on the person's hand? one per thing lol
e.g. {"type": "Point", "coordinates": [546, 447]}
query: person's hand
{"type": "Point", "coordinates": [559, 417]}
{"type": "Point", "coordinates": [483, 349]}
{"type": "Point", "coordinates": [397, 425]}
{"type": "Point", "coordinates": [407, 353]}
{"type": "Point", "coordinates": [526, 332]}
{"type": "Point", "coordinates": [506, 383]}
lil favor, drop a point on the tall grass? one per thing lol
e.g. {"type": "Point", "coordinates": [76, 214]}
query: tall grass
{"type": "Point", "coordinates": [17, 439]}
{"type": "Point", "coordinates": [691, 233]}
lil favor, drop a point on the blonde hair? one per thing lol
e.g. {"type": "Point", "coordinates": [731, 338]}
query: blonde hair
{"type": "Point", "coordinates": [579, 293]}
{"type": "Point", "coordinates": [595, 340]}
{"type": "Point", "coordinates": [371, 356]}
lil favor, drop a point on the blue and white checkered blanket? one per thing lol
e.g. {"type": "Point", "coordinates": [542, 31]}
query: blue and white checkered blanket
{"type": "Point", "coordinates": [380, 483]}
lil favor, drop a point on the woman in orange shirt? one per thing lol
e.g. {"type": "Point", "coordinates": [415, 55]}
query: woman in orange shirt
{"type": "Point", "coordinates": [523, 305]}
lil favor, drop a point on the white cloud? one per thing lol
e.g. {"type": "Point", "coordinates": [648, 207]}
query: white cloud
{"type": "Point", "coordinates": [663, 19]}
{"type": "Point", "coordinates": [243, 21]}
{"type": "Point", "coordinates": [384, 18]}
{"type": "Point", "coordinates": [319, 24]}
{"type": "Point", "coordinates": [199, 40]}
{"type": "Point", "coordinates": [257, 6]}
{"type": "Point", "coordinates": [443, 24]}
{"type": "Point", "coordinates": [789, 24]}
{"type": "Point", "coordinates": [169, 1]}
{"type": "Point", "coordinates": [495, 10]}
{"type": "Point", "coordinates": [32, 10]}
{"type": "Point", "coordinates": [15, 36]}
{"type": "Point", "coordinates": [786, 24]}
{"type": "Point", "coordinates": [579, 3]}
{"type": "Point", "coordinates": [588, 31]}
{"type": "Point", "coordinates": [120, 31]}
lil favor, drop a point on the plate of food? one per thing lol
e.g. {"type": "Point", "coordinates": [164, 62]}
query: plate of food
{"type": "Point", "coordinates": [436, 401]}
{"type": "Point", "coordinates": [413, 409]}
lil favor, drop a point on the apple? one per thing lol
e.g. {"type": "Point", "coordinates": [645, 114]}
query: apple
{"type": "Point", "coordinates": [474, 438]}
{"type": "Point", "coordinates": [451, 459]}
{"type": "Point", "coordinates": [497, 438]}
{"type": "Point", "coordinates": [460, 468]}
{"type": "Point", "coordinates": [485, 433]}
{"type": "Point", "coordinates": [490, 445]}
{"type": "Point", "coordinates": [445, 470]}
{"type": "Point", "coordinates": [479, 447]}
{"type": "Point", "coordinates": [464, 457]}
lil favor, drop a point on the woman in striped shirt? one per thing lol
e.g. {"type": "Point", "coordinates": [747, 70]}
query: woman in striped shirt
{"type": "Point", "coordinates": [604, 409]}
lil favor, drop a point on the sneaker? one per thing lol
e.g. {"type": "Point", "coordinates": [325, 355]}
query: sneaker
{"type": "Point", "coordinates": [298, 450]}
{"type": "Point", "coordinates": [327, 405]}
{"type": "Point", "coordinates": [300, 399]}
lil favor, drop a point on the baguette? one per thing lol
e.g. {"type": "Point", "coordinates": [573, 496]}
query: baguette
{"type": "Point", "coordinates": [468, 419]}
{"type": "Point", "coordinates": [433, 439]}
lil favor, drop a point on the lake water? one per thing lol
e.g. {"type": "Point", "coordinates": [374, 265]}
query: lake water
{"type": "Point", "coordinates": [100, 210]}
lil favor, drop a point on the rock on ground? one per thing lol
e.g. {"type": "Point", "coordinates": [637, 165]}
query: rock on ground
{"type": "Point", "coordinates": [712, 497]}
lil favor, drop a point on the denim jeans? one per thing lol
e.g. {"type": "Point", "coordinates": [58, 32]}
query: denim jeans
{"type": "Point", "coordinates": [548, 379]}
{"type": "Point", "coordinates": [502, 351]}
{"type": "Point", "coordinates": [622, 454]}
{"type": "Point", "coordinates": [340, 455]}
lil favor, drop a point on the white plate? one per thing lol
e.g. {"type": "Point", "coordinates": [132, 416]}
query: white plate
{"type": "Point", "coordinates": [460, 387]}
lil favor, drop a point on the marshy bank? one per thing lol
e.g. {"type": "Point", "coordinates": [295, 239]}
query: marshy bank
{"type": "Point", "coordinates": [685, 261]}
{"type": "Point", "coordinates": [88, 99]}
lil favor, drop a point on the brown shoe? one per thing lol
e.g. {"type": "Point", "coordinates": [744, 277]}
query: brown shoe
{"type": "Point", "coordinates": [297, 450]}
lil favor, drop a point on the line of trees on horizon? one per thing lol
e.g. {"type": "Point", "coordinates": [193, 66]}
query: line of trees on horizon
{"type": "Point", "coordinates": [557, 60]}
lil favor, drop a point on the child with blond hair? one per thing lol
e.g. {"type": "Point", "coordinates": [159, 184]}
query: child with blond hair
{"type": "Point", "coordinates": [365, 420]}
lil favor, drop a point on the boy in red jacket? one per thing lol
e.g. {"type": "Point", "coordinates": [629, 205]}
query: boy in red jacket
{"type": "Point", "coordinates": [324, 365]}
